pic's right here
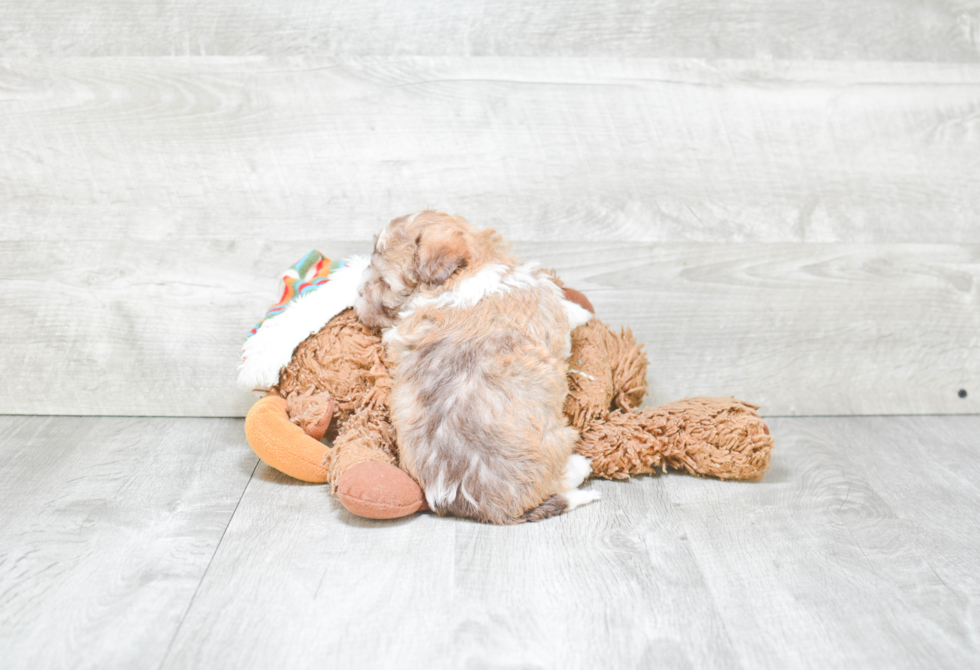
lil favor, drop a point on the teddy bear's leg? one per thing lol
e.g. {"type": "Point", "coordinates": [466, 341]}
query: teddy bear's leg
{"type": "Point", "coordinates": [716, 437]}
{"type": "Point", "coordinates": [590, 380]}
{"type": "Point", "coordinates": [366, 436]}
{"type": "Point", "coordinates": [362, 462]}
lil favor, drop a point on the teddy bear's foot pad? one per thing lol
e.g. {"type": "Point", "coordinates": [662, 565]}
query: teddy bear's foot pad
{"type": "Point", "coordinates": [377, 490]}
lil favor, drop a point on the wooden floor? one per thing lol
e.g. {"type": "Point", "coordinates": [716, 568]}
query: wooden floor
{"type": "Point", "coordinates": [163, 543]}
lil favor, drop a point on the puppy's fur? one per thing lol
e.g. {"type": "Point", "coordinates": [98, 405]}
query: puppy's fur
{"type": "Point", "coordinates": [479, 343]}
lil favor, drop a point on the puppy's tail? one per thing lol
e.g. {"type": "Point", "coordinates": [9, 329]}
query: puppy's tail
{"type": "Point", "coordinates": [553, 506]}
{"type": "Point", "coordinates": [560, 503]}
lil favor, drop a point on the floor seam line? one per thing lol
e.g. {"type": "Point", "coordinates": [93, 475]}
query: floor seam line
{"type": "Point", "coordinates": [190, 604]}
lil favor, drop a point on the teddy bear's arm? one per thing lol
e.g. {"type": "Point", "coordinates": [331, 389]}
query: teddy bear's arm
{"type": "Point", "coordinates": [714, 437]}
{"type": "Point", "coordinates": [629, 369]}
{"type": "Point", "coordinates": [590, 381]}
{"type": "Point", "coordinates": [606, 370]}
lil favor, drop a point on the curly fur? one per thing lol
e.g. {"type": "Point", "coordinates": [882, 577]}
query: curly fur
{"type": "Point", "coordinates": [479, 343]}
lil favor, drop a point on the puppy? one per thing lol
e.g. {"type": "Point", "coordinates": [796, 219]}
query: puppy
{"type": "Point", "coordinates": [479, 344]}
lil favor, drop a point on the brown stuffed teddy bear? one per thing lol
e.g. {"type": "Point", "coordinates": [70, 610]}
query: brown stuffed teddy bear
{"type": "Point", "coordinates": [336, 383]}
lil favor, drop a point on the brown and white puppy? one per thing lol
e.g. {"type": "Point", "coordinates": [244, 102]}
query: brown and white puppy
{"type": "Point", "coordinates": [479, 343]}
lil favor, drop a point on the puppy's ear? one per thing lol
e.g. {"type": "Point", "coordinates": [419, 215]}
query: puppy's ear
{"type": "Point", "coordinates": [440, 253]}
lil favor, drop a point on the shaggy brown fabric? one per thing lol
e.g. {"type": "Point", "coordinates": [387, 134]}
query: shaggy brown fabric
{"type": "Point", "coordinates": [590, 374]}
{"type": "Point", "coordinates": [716, 437]}
{"type": "Point", "coordinates": [311, 410]}
{"type": "Point", "coordinates": [340, 360]}
{"type": "Point", "coordinates": [367, 435]}
{"type": "Point", "coordinates": [553, 275]}
{"type": "Point", "coordinates": [607, 370]}
{"type": "Point", "coordinates": [629, 369]}
{"type": "Point", "coordinates": [341, 370]}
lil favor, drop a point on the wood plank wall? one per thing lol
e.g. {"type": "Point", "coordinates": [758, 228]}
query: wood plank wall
{"type": "Point", "coordinates": [781, 198]}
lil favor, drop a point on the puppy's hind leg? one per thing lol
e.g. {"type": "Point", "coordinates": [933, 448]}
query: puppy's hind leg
{"type": "Point", "coordinates": [577, 471]}
{"type": "Point", "coordinates": [577, 498]}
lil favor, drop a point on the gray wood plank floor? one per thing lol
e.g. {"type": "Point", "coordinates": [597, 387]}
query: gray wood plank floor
{"type": "Point", "coordinates": [148, 205]}
{"type": "Point", "coordinates": [801, 329]}
{"type": "Point", "coordinates": [927, 30]}
{"type": "Point", "coordinates": [108, 526]}
{"type": "Point", "coordinates": [543, 149]}
{"type": "Point", "coordinates": [149, 202]}
{"type": "Point", "coordinates": [148, 543]}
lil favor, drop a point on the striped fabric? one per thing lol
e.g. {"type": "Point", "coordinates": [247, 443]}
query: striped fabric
{"type": "Point", "coordinates": [310, 273]}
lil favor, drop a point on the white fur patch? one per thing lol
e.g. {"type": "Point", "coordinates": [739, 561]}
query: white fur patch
{"type": "Point", "coordinates": [578, 497]}
{"type": "Point", "coordinates": [390, 335]}
{"type": "Point", "coordinates": [365, 277]}
{"type": "Point", "coordinates": [492, 280]}
{"type": "Point", "coordinates": [578, 469]}
{"type": "Point", "coordinates": [577, 315]}
{"type": "Point", "coordinates": [441, 493]}
{"type": "Point", "coordinates": [264, 353]}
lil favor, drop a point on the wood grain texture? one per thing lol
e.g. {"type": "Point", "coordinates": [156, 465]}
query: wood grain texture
{"type": "Point", "coordinates": [543, 149]}
{"type": "Point", "coordinates": [135, 328]}
{"type": "Point", "coordinates": [108, 526]}
{"type": "Point", "coordinates": [932, 30]}
{"type": "Point", "coordinates": [155, 328]}
{"type": "Point", "coordinates": [857, 550]}
{"type": "Point", "coordinates": [938, 498]}
{"type": "Point", "coordinates": [825, 563]}
{"type": "Point", "coordinates": [802, 329]}
{"type": "Point", "coordinates": [129, 542]}
{"type": "Point", "coordinates": [300, 582]}
{"type": "Point", "coordinates": [612, 585]}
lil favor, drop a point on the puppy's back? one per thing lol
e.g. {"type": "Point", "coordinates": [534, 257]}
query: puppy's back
{"type": "Point", "coordinates": [478, 405]}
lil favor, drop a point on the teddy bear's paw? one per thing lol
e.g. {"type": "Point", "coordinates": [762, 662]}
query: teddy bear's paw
{"type": "Point", "coordinates": [379, 490]}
